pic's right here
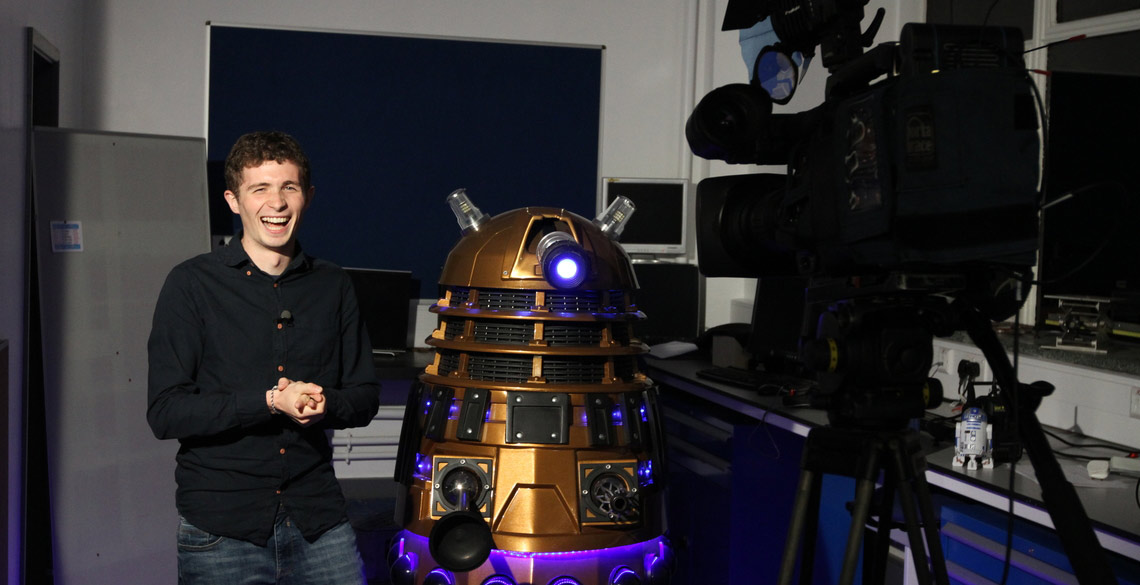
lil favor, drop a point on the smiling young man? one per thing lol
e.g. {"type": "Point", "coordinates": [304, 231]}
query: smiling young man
{"type": "Point", "coordinates": [256, 350]}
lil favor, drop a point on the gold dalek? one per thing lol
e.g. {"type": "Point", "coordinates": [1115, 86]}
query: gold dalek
{"type": "Point", "coordinates": [531, 451]}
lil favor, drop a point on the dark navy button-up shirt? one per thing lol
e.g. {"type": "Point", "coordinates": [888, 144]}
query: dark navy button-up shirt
{"type": "Point", "coordinates": [223, 333]}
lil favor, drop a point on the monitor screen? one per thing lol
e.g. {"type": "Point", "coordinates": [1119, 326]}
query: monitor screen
{"type": "Point", "coordinates": [672, 297]}
{"type": "Point", "coordinates": [1092, 191]}
{"type": "Point", "coordinates": [659, 224]}
{"type": "Point", "coordinates": [778, 322]}
{"type": "Point", "coordinates": [386, 298]}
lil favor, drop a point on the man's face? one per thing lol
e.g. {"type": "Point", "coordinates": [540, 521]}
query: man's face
{"type": "Point", "coordinates": [270, 202]}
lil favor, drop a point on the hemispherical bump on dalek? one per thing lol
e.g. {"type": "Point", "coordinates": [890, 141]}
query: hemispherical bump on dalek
{"type": "Point", "coordinates": [531, 450]}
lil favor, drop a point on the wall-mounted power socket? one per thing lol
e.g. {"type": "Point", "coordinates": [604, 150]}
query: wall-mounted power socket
{"type": "Point", "coordinates": [942, 360]}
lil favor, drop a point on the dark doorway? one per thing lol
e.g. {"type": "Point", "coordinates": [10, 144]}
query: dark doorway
{"type": "Point", "coordinates": [43, 67]}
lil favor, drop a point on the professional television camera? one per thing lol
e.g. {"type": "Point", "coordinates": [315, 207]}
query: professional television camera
{"type": "Point", "coordinates": [919, 171]}
{"type": "Point", "coordinates": [910, 206]}
{"type": "Point", "coordinates": [934, 166]}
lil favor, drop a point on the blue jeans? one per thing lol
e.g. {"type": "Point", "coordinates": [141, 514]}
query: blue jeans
{"type": "Point", "coordinates": [287, 559]}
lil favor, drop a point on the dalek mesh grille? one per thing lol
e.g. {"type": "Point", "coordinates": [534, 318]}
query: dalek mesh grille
{"type": "Point", "coordinates": [505, 333]}
{"type": "Point", "coordinates": [460, 296]}
{"type": "Point", "coordinates": [500, 368]}
{"type": "Point", "coordinates": [448, 363]}
{"type": "Point", "coordinates": [522, 333]}
{"type": "Point", "coordinates": [565, 334]}
{"type": "Point", "coordinates": [454, 329]}
{"type": "Point", "coordinates": [589, 301]}
{"type": "Point", "coordinates": [555, 370]}
{"type": "Point", "coordinates": [506, 300]}
{"type": "Point", "coordinates": [575, 370]}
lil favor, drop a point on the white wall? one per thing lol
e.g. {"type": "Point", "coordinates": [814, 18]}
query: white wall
{"type": "Point", "coordinates": [148, 61]}
{"type": "Point", "coordinates": [59, 21]}
{"type": "Point", "coordinates": [146, 67]}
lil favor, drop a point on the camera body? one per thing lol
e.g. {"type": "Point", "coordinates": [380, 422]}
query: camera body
{"type": "Point", "coordinates": [934, 168]}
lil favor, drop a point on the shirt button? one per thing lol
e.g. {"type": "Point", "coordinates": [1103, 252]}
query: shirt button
{"type": "Point", "coordinates": [275, 285]}
{"type": "Point", "coordinates": [279, 326]}
{"type": "Point", "coordinates": [282, 451]}
{"type": "Point", "coordinates": [280, 368]}
{"type": "Point", "coordinates": [249, 273]}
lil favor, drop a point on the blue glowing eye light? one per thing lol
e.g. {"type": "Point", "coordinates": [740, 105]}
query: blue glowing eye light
{"type": "Point", "coordinates": [564, 262]}
{"type": "Point", "coordinates": [566, 268]}
{"type": "Point", "coordinates": [615, 416]}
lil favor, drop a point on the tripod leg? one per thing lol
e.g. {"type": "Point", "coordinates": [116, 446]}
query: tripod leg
{"type": "Point", "coordinates": [806, 492]}
{"type": "Point", "coordinates": [875, 554]}
{"type": "Point", "coordinates": [864, 490]}
{"type": "Point", "coordinates": [1090, 563]}
{"type": "Point", "coordinates": [811, 531]}
{"type": "Point", "coordinates": [914, 535]}
{"type": "Point", "coordinates": [911, 468]}
{"type": "Point", "coordinates": [931, 525]}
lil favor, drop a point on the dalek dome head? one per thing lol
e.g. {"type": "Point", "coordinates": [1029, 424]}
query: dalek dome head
{"type": "Point", "coordinates": [538, 248]}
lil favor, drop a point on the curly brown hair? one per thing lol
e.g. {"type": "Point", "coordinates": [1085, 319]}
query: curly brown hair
{"type": "Point", "coordinates": [255, 148]}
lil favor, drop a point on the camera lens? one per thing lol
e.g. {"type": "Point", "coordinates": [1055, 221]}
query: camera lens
{"type": "Point", "coordinates": [728, 122]}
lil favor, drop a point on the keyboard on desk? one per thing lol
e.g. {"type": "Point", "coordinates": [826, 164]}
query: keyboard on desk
{"type": "Point", "coordinates": [762, 382]}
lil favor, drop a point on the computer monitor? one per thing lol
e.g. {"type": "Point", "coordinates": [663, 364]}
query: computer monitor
{"type": "Point", "coordinates": [672, 297]}
{"type": "Point", "coordinates": [660, 222]}
{"type": "Point", "coordinates": [386, 298]}
{"type": "Point", "coordinates": [777, 323]}
{"type": "Point", "coordinates": [1092, 194]}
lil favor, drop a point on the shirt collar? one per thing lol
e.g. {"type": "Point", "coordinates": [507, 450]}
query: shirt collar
{"type": "Point", "coordinates": [234, 255]}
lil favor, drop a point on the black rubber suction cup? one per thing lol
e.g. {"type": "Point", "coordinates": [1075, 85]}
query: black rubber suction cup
{"type": "Point", "coordinates": [460, 541]}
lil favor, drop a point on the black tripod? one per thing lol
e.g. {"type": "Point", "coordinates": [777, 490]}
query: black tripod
{"type": "Point", "coordinates": [862, 455]}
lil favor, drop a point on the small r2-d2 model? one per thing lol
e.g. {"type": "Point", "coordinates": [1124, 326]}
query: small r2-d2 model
{"type": "Point", "coordinates": [973, 440]}
{"type": "Point", "coordinates": [531, 451]}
